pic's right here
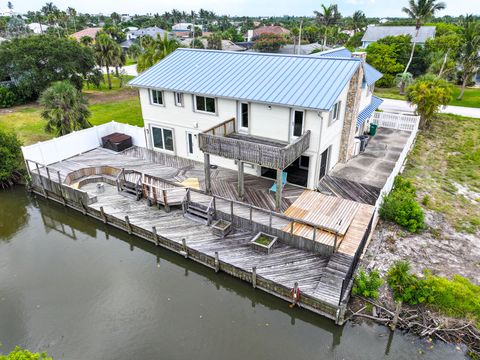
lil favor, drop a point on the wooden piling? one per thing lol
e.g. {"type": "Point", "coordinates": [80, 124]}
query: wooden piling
{"type": "Point", "coordinates": [185, 249]}
{"type": "Point", "coordinates": [104, 217]}
{"type": "Point", "coordinates": [127, 222]}
{"type": "Point", "coordinates": [155, 235]}
{"type": "Point", "coordinates": [217, 262]}
{"type": "Point", "coordinates": [254, 277]}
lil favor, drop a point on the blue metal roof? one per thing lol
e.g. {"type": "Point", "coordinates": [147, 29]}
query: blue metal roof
{"type": "Point", "coordinates": [371, 74]}
{"type": "Point", "coordinates": [338, 52]}
{"type": "Point", "coordinates": [368, 111]}
{"type": "Point", "coordinates": [288, 80]}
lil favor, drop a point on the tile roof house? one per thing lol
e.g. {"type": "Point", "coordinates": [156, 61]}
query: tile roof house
{"type": "Point", "coordinates": [90, 32]}
{"type": "Point", "coordinates": [375, 33]}
{"type": "Point", "coordinates": [269, 112]}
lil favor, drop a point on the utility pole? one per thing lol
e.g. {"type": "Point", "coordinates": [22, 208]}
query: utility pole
{"type": "Point", "coordinates": [300, 37]}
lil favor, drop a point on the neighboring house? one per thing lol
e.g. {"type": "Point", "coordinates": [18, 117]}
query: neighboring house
{"type": "Point", "coordinates": [304, 49]}
{"type": "Point", "coordinates": [182, 27]}
{"type": "Point", "coordinates": [256, 112]}
{"type": "Point", "coordinates": [272, 29]}
{"type": "Point", "coordinates": [38, 28]}
{"type": "Point", "coordinates": [90, 32]}
{"type": "Point", "coordinates": [150, 31]}
{"type": "Point", "coordinates": [227, 45]}
{"type": "Point", "coordinates": [375, 33]}
{"type": "Point", "coordinates": [182, 34]}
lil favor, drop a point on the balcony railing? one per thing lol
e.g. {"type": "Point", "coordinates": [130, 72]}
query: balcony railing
{"type": "Point", "coordinates": [220, 140]}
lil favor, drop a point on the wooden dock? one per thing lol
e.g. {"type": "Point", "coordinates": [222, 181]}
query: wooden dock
{"type": "Point", "coordinates": [323, 278]}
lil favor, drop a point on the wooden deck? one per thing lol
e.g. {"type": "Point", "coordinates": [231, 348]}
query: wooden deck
{"type": "Point", "coordinates": [349, 219]}
{"type": "Point", "coordinates": [347, 189]}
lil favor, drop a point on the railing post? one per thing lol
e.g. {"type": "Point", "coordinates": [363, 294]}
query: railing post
{"type": "Point", "coordinates": [314, 233]}
{"type": "Point", "coordinates": [251, 212]}
{"type": "Point", "coordinates": [231, 210]}
{"type": "Point", "coordinates": [335, 243]}
{"type": "Point", "coordinates": [104, 217]}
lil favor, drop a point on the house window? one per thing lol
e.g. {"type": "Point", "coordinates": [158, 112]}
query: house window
{"type": "Point", "coordinates": [244, 121]}
{"type": "Point", "coordinates": [189, 143]}
{"type": "Point", "coordinates": [205, 104]}
{"type": "Point", "coordinates": [162, 138]}
{"type": "Point", "coordinates": [178, 99]}
{"type": "Point", "coordinates": [335, 112]}
{"type": "Point", "coordinates": [297, 124]}
{"type": "Point", "coordinates": [156, 97]}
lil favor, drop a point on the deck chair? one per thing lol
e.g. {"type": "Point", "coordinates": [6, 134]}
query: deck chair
{"type": "Point", "coordinates": [284, 181]}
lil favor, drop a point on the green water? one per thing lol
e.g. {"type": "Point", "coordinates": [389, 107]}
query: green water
{"type": "Point", "coordinates": [79, 289]}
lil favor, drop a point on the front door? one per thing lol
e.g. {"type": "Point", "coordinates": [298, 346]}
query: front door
{"type": "Point", "coordinates": [323, 164]}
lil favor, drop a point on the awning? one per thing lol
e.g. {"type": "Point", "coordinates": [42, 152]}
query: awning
{"type": "Point", "coordinates": [368, 111]}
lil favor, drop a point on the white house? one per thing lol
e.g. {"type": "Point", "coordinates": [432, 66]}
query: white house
{"type": "Point", "coordinates": [260, 113]}
{"type": "Point", "coordinates": [183, 27]}
{"type": "Point", "coordinates": [375, 33]}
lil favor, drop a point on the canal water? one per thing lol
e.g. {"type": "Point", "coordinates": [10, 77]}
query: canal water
{"type": "Point", "coordinates": [79, 289]}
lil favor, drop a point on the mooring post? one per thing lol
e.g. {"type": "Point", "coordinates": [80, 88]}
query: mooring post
{"type": "Point", "coordinates": [254, 277]}
{"type": "Point", "coordinates": [217, 262]}
{"type": "Point", "coordinates": [155, 235]}
{"type": "Point", "coordinates": [295, 293]}
{"type": "Point", "coordinates": [314, 233]}
{"type": "Point", "coordinates": [184, 242]}
{"type": "Point", "coordinates": [41, 181]}
{"type": "Point", "coordinates": [129, 227]}
{"type": "Point", "coordinates": [398, 308]}
{"type": "Point", "coordinates": [104, 217]}
{"type": "Point", "coordinates": [84, 210]}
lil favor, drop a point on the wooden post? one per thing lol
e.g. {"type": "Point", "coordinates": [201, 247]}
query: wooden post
{"type": "Point", "coordinates": [231, 210]}
{"type": "Point", "coordinates": [129, 227]}
{"type": "Point", "coordinates": [254, 277]}
{"type": "Point", "coordinates": [61, 187]}
{"type": "Point", "coordinates": [251, 213]}
{"type": "Point", "coordinates": [206, 163]}
{"type": "Point", "coordinates": [165, 201]}
{"type": "Point", "coordinates": [398, 308]}
{"type": "Point", "coordinates": [241, 185]}
{"type": "Point", "coordinates": [295, 294]}
{"type": "Point", "coordinates": [84, 209]}
{"type": "Point", "coordinates": [217, 262]}
{"type": "Point", "coordinates": [155, 236]}
{"type": "Point", "coordinates": [314, 233]}
{"type": "Point", "coordinates": [335, 243]}
{"type": "Point", "coordinates": [104, 217]}
{"type": "Point", "coordinates": [185, 249]}
{"type": "Point", "coordinates": [291, 229]}
{"type": "Point", "coordinates": [270, 221]}
{"type": "Point", "coordinates": [48, 173]}
{"type": "Point", "coordinates": [41, 180]}
{"type": "Point", "coordinates": [278, 194]}
{"type": "Point", "coordinates": [214, 207]}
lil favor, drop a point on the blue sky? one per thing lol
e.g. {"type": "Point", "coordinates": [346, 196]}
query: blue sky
{"type": "Point", "coordinates": [380, 8]}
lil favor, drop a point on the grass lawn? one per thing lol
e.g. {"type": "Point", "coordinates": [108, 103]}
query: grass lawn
{"type": "Point", "coordinates": [119, 104]}
{"type": "Point", "coordinates": [471, 97]}
{"type": "Point", "coordinates": [446, 157]}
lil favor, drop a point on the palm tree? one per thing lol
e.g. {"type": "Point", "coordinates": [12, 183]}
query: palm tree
{"type": "Point", "coordinates": [73, 13]}
{"type": "Point", "coordinates": [106, 52]}
{"type": "Point", "coordinates": [327, 17]}
{"type": "Point", "coordinates": [421, 11]}
{"type": "Point", "coordinates": [65, 109]}
{"type": "Point", "coordinates": [155, 52]}
{"type": "Point", "coordinates": [469, 59]}
{"type": "Point", "coordinates": [358, 21]}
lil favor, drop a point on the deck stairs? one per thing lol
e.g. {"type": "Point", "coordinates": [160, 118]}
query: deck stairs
{"type": "Point", "coordinates": [129, 183]}
{"type": "Point", "coordinates": [198, 213]}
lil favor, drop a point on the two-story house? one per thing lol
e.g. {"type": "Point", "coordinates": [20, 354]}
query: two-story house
{"type": "Point", "coordinates": [265, 114]}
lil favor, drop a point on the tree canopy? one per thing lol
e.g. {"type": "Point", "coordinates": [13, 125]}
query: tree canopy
{"type": "Point", "coordinates": [32, 63]}
{"type": "Point", "coordinates": [10, 159]}
{"type": "Point", "coordinates": [20, 354]}
{"type": "Point", "coordinates": [65, 109]}
{"type": "Point", "coordinates": [269, 42]}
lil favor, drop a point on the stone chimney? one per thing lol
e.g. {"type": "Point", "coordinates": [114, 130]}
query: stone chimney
{"type": "Point", "coordinates": [351, 114]}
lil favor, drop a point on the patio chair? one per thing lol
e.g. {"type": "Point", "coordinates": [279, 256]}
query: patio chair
{"type": "Point", "coordinates": [284, 181]}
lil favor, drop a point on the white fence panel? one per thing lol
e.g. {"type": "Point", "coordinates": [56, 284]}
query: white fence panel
{"type": "Point", "coordinates": [77, 142]}
{"type": "Point", "coordinates": [396, 121]}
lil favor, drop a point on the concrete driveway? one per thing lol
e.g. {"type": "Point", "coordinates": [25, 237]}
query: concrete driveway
{"type": "Point", "coordinates": [401, 106]}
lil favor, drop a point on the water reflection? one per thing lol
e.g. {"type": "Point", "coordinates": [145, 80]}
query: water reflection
{"type": "Point", "coordinates": [13, 212]}
{"type": "Point", "coordinates": [93, 298]}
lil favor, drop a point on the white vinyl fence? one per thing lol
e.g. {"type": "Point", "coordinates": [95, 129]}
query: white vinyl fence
{"type": "Point", "coordinates": [395, 121]}
{"type": "Point", "coordinates": [77, 142]}
{"type": "Point", "coordinates": [401, 122]}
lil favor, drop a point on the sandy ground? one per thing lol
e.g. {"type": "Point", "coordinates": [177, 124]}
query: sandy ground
{"type": "Point", "coordinates": [441, 249]}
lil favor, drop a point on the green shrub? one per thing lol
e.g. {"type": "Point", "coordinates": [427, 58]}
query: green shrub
{"type": "Point", "coordinates": [457, 297]}
{"type": "Point", "coordinates": [426, 200]}
{"type": "Point", "coordinates": [407, 287]}
{"type": "Point", "coordinates": [401, 206]}
{"type": "Point", "coordinates": [7, 98]}
{"type": "Point", "coordinates": [10, 159]}
{"type": "Point", "coordinates": [20, 354]}
{"type": "Point", "coordinates": [367, 284]}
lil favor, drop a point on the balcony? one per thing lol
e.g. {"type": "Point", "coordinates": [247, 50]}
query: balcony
{"type": "Point", "coordinates": [222, 140]}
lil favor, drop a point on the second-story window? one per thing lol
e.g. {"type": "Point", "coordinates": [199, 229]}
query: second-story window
{"type": "Point", "coordinates": [297, 123]}
{"type": "Point", "coordinates": [335, 112]}
{"type": "Point", "coordinates": [178, 99]}
{"type": "Point", "coordinates": [206, 104]}
{"type": "Point", "coordinates": [156, 97]}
